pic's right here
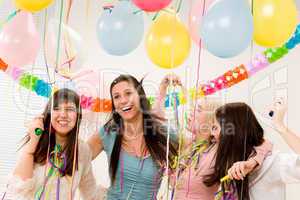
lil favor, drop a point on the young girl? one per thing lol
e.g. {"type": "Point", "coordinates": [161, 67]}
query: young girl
{"type": "Point", "coordinates": [53, 164]}
{"type": "Point", "coordinates": [135, 142]}
{"type": "Point", "coordinates": [237, 132]}
{"type": "Point", "coordinates": [200, 155]}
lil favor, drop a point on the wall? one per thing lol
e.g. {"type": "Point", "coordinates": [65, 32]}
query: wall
{"type": "Point", "coordinates": [18, 106]}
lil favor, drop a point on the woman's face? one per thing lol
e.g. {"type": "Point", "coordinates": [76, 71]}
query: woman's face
{"type": "Point", "coordinates": [126, 100]}
{"type": "Point", "coordinates": [64, 117]}
{"type": "Point", "coordinates": [199, 122]}
{"type": "Point", "coordinates": [216, 131]}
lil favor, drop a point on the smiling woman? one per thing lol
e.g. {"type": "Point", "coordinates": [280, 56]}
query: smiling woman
{"type": "Point", "coordinates": [135, 142]}
{"type": "Point", "coordinates": [58, 152]}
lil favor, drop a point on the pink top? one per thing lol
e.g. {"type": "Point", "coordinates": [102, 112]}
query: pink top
{"type": "Point", "coordinates": [190, 184]}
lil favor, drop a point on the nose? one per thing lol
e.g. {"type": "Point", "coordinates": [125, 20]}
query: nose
{"type": "Point", "coordinates": [63, 113]}
{"type": "Point", "coordinates": [123, 100]}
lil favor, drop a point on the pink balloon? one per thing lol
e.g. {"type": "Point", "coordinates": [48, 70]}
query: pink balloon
{"type": "Point", "coordinates": [151, 5]}
{"type": "Point", "coordinates": [19, 40]}
{"type": "Point", "coordinates": [195, 18]}
{"type": "Point", "coordinates": [87, 82]}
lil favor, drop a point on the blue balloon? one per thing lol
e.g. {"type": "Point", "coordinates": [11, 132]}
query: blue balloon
{"type": "Point", "coordinates": [227, 29]}
{"type": "Point", "coordinates": [120, 29]}
{"type": "Point", "coordinates": [298, 4]}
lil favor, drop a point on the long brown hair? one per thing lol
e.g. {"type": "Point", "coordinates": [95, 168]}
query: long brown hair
{"type": "Point", "coordinates": [240, 133]}
{"type": "Point", "coordinates": [155, 133]}
{"type": "Point", "coordinates": [40, 154]}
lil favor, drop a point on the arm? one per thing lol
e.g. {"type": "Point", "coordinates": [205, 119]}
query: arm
{"type": "Point", "coordinates": [291, 138]}
{"type": "Point", "coordinates": [87, 186]}
{"type": "Point", "coordinates": [159, 104]}
{"type": "Point", "coordinates": [241, 169]}
{"type": "Point", "coordinates": [279, 111]}
{"type": "Point", "coordinates": [96, 144]}
{"type": "Point", "coordinates": [289, 167]}
{"type": "Point", "coordinates": [25, 164]}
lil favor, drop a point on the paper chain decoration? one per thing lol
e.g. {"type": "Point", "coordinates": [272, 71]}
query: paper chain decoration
{"type": "Point", "coordinates": [228, 79]}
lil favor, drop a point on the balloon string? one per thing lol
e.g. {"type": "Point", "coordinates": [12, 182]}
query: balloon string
{"type": "Point", "coordinates": [138, 11]}
{"type": "Point", "coordinates": [198, 67]}
{"type": "Point", "coordinates": [155, 16]}
{"type": "Point", "coordinates": [66, 40]}
{"type": "Point", "coordinates": [59, 33]}
{"type": "Point", "coordinates": [45, 50]}
{"type": "Point", "coordinates": [197, 87]}
{"type": "Point", "coordinates": [9, 17]}
{"type": "Point", "coordinates": [70, 3]}
{"type": "Point", "coordinates": [179, 6]}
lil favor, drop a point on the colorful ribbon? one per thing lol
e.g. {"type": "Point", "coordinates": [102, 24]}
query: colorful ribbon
{"type": "Point", "coordinates": [57, 161]}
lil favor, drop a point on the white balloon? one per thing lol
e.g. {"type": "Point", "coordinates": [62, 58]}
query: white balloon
{"type": "Point", "coordinates": [71, 50]}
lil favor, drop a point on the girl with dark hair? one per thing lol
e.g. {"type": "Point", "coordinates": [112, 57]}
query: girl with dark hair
{"type": "Point", "coordinates": [198, 156]}
{"type": "Point", "coordinates": [53, 161]}
{"type": "Point", "coordinates": [238, 131]}
{"type": "Point", "coordinates": [135, 142]}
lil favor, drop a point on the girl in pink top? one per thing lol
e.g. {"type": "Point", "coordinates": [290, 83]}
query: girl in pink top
{"type": "Point", "coordinates": [190, 180]}
{"type": "Point", "coordinates": [199, 162]}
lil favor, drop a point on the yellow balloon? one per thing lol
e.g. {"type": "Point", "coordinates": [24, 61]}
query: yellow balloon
{"type": "Point", "coordinates": [274, 21]}
{"type": "Point", "coordinates": [32, 5]}
{"type": "Point", "coordinates": [168, 42]}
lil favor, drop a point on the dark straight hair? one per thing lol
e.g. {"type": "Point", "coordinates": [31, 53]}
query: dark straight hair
{"type": "Point", "coordinates": [40, 154]}
{"type": "Point", "coordinates": [155, 133]}
{"type": "Point", "coordinates": [240, 133]}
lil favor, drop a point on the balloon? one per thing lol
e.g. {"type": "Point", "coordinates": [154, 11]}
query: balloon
{"type": "Point", "coordinates": [71, 50]}
{"type": "Point", "coordinates": [87, 82]}
{"type": "Point", "coordinates": [195, 18]}
{"type": "Point", "coordinates": [151, 5]}
{"type": "Point", "coordinates": [19, 40]}
{"type": "Point", "coordinates": [274, 21]}
{"type": "Point", "coordinates": [32, 5]}
{"type": "Point", "coordinates": [120, 30]}
{"type": "Point", "coordinates": [227, 28]}
{"type": "Point", "coordinates": [298, 4]}
{"type": "Point", "coordinates": [168, 42]}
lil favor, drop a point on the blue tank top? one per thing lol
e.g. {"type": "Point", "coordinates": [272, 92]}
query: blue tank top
{"type": "Point", "coordinates": [139, 178]}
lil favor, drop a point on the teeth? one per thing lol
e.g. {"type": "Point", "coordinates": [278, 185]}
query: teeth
{"type": "Point", "coordinates": [126, 108]}
{"type": "Point", "coordinates": [63, 122]}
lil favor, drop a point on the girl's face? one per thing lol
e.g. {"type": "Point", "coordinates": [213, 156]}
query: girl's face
{"type": "Point", "coordinates": [216, 131]}
{"type": "Point", "coordinates": [64, 118]}
{"type": "Point", "coordinates": [199, 120]}
{"type": "Point", "coordinates": [126, 100]}
{"type": "Point", "coordinates": [201, 113]}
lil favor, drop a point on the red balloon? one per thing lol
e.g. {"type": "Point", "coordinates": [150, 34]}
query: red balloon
{"type": "Point", "coordinates": [151, 5]}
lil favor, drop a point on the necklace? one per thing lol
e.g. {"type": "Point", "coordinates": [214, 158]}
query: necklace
{"type": "Point", "coordinates": [136, 148]}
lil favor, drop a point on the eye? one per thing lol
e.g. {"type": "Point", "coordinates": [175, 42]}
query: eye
{"type": "Point", "coordinates": [214, 127]}
{"type": "Point", "coordinates": [71, 109]}
{"type": "Point", "coordinates": [116, 96]}
{"type": "Point", "coordinates": [128, 93]}
{"type": "Point", "coordinates": [56, 108]}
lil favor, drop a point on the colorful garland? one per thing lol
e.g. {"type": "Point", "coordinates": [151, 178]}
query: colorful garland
{"type": "Point", "coordinates": [228, 79]}
{"type": "Point", "coordinates": [243, 72]}
{"type": "Point", "coordinates": [3, 65]}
